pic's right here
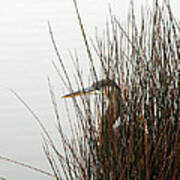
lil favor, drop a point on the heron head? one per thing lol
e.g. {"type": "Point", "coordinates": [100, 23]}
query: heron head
{"type": "Point", "coordinates": [97, 86]}
{"type": "Point", "coordinates": [104, 84]}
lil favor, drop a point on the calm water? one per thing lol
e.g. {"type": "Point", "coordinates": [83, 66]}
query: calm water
{"type": "Point", "coordinates": [25, 62]}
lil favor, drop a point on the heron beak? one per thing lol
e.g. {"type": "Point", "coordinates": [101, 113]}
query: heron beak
{"type": "Point", "coordinates": [88, 90]}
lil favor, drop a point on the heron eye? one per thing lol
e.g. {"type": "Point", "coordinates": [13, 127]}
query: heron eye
{"type": "Point", "coordinates": [97, 88]}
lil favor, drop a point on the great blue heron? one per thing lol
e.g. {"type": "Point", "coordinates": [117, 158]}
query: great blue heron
{"type": "Point", "coordinates": [112, 93]}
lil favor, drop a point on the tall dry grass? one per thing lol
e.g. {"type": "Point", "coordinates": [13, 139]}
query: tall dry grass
{"type": "Point", "coordinates": [144, 144]}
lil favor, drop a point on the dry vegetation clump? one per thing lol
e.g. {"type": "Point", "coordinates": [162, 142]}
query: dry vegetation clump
{"type": "Point", "coordinates": [145, 141]}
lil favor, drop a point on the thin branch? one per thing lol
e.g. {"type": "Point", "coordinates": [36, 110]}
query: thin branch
{"type": "Point", "coordinates": [27, 166]}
